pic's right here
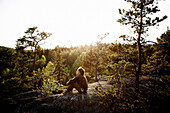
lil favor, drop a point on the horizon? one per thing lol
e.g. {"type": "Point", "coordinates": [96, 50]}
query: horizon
{"type": "Point", "coordinates": [72, 23]}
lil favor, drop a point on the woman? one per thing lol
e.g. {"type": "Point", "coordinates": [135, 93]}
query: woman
{"type": "Point", "coordinates": [79, 82]}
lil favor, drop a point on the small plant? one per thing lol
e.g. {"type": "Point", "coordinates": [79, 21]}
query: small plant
{"type": "Point", "coordinates": [120, 99]}
{"type": "Point", "coordinates": [46, 80]}
{"type": "Point", "coordinates": [49, 86]}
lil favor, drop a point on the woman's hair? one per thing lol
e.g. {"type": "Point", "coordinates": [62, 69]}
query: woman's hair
{"type": "Point", "coordinates": [81, 70]}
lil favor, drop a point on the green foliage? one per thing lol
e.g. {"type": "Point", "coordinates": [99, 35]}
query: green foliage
{"type": "Point", "coordinates": [120, 70]}
{"type": "Point", "coordinates": [51, 85]}
{"type": "Point", "coordinates": [58, 61]}
{"type": "Point", "coordinates": [138, 17]}
{"type": "Point", "coordinates": [88, 60]}
{"type": "Point", "coordinates": [46, 80]}
{"type": "Point", "coordinates": [121, 65]}
{"type": "Point", "coordinates": [40, 63]}
{"type": "Point", "coordinates": [32, 39]}
{"type": "Point", "coordinates": [158, 62]}
{"type": "Point", "coordinates": [121, 60]}
{"type": "Point", "coordinates": [7, 58]}
{"type": "Point", "coordinates": [163, 53]}
{"type": "Point", "coordinates": [72, 57]}
{"type": "Point", "coordinates": [14, 79]}
{"type": "Point", "coordinates": [77, 63]}
{"type": "Point", "coordinates": [121, 99]}
{"type": "Point", "coordinates": [54, 67]}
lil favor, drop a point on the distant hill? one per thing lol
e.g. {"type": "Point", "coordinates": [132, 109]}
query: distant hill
{"type": "Point", "coordinates": [6, 48]}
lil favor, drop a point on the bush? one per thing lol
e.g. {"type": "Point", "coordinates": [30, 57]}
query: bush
{"type": "Point", "coordinates": [50, 86]}
{"type": "Point", "coordinates": [121, 99]}
{"type": "Point", "coordinates": [153, 96]}
{"type": "Point", "coordinates": [46, 81]}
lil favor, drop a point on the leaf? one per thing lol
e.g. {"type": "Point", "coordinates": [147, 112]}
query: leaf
{"type": "Point", "coordinates": [119, 20]}
{"type": "Point", "coordinates": [122, 36]}
{"type": "Point", "coordinates": [120, 11]}
{"type": "Point", "coordinates": [165, 17]}
{"type": "Point", "coordinates": [123, 11]}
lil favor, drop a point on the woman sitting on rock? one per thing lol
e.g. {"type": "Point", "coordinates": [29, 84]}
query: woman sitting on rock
{"type": "Point", "coordinates": [79, 82]}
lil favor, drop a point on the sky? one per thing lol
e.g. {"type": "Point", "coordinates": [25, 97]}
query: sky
{"type": "Point", "coordinates": [71, 22]}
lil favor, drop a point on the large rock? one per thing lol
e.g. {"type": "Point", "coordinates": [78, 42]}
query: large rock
{"type": "Point", "coordinates": [68, 103]}
{"type": "Point", "coordinates": [10, 105]}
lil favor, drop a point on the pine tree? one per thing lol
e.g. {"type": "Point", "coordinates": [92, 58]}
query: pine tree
{"type": "Point", "coordinates": [164, 52]}
{"type": "Point", "coordinates": [88, 61]}
{"type": "Point", "coordinates": [158, 62]}
{"type": "Point", "coordinates": [58, 61]}
{"type": "Point", "coordinates": [138, 17]}
{"type": "Point", "coordinates": [32, 39]}
{"type": "Point", "coordinates": [16, 78]}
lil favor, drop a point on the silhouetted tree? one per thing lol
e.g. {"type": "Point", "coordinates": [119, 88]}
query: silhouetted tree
{"type": "Point", "coordinates": [32, 39]}
{"type": "Point", "coordinates": [139, 18]}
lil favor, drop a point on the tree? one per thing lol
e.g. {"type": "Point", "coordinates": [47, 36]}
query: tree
{"type": "Point", "coordinates": [32, 39]}
{"type": "Point", "coordinates": [98, 47]}
{"type": "Point", "coordinates": [15, 79]}
{"type": "Point", "coordinates": [164, 52]}
{"type": "Point", "coordinates": [88, 60]}
{"type": "Point", "coordinates": [138, 17]}
{"type": "Point", "coordinates": [58, 61]}
{"type": "Point", "coordinates": [7, 58]}
{"type": "Point", "coordinates": [157, 63]}
{"type": "Point", "coordinates": [46, 81]}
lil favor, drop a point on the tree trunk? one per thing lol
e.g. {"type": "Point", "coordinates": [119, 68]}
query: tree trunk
{"type": "Point", "coordinates": [139, 49]}
{"type": "Point", "coordinates": [34, 60]}
{"type": "Point", "coordinates": [96, 65]}
{"type": "Point", "coordinates": [35, 54]}
{"type": "Point", "coordinates": [139, 65]}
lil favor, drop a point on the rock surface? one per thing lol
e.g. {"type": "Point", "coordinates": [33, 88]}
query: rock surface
{"type": "Point", "coordinates": [59, 103]}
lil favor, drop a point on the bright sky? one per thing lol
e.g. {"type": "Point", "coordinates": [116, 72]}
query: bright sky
{"type": "Point", "coordinates": [72, 22]}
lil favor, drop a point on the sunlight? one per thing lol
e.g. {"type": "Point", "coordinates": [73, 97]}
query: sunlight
{"type": "Point", "coordinates": [84, 56]}
{"type": "Point", "coordinates": [72, 23]}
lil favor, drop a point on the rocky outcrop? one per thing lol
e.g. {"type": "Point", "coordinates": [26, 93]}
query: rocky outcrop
{"type": "Point", "coordinates": [59, 103]}
{"type": "Point", "coordinates": [70, 103]}
{"type": "Point", "coordinates": [11, 105]}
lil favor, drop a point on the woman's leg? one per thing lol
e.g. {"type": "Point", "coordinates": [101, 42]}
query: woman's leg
{"type": "Point", "coordinates": [73, 85]}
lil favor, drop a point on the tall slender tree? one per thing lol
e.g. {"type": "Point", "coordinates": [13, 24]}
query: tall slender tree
{"type": "Point", "coordinates": [140, 19]}
{"type": "Point", "coordinates": [32, 39]}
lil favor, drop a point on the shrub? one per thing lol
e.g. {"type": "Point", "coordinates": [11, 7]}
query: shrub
{"type": "Point", "coordinates": [46, 81]}
{"type": "Point", "coordinates": [121, 99]}
{"type": "Point", "coordinates": [50, 86]}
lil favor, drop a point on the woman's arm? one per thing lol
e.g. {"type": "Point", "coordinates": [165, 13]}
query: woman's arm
{"type": "Point", "coordinates": [73, 80]}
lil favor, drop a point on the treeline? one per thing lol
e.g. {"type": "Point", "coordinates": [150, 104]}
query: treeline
{"type": "Point", "coordinates": [54, 67]}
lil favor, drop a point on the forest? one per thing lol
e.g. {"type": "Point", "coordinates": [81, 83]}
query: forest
{"type": "Point", "coordinates": [138, 71]}
{"type": "Point", "coordinates": [54, 67]}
